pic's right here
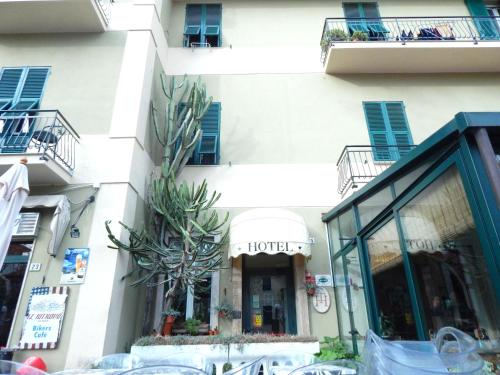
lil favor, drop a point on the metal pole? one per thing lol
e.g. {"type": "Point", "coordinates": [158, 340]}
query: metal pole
{"type": "Point", "coordinates": [489, 159]}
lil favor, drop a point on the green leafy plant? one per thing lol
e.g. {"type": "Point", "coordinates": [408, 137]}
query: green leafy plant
{"type": "Point", "coordinates": [227, 366]}
{"type": "Point", "coordinates": [359, 36]}
{"type": "Point", "coordinates": [333, 35]}
{"type": "Point", "coordinates": [332, 349]}
{"type": "Point", "coordinates": [225, 310]}
{"type": "Point", "coordinates": [192, 326]}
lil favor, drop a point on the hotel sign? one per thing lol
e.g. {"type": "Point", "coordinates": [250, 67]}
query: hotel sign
{"type": "Point", "coordinates": [271, 248]}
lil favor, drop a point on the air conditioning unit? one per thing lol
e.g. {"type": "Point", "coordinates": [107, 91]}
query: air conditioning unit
{"type": "Point", "coordinates": [26, 225]}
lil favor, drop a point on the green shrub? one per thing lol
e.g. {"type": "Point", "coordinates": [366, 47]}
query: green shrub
{"type": "Point", "coordinates": [192, 326]}
{"type": "Point", "coordinates": [333, 349]}
{"type": "Point", "coordinates": [359, 36]}
{"type": "Point", "coordinates": [333, 35]}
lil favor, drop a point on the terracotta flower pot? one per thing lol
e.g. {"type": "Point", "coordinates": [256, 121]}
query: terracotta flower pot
{"type": "Point", "coordinates": [168, 324]}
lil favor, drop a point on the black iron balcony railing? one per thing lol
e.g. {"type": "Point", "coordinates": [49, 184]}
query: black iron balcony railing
{"type": "Point", "coordinates": [43, 132]}
{"type": "Point", "coordinates": [408, 29]}
{"type": "Point", "coordinates": [360, 164]}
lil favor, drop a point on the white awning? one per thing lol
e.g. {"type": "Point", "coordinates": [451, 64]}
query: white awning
{"type": "Point", "coordinates": [270, 231]}
{"type": "Point", "coordinates": [60, 220]}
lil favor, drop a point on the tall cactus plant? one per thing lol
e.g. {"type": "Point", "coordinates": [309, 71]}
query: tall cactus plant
{"type": "Point", "coordinates": [186, 242]}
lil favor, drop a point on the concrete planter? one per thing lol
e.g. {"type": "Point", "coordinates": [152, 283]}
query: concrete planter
{"type": "Point", "coordinates": [217, 354]}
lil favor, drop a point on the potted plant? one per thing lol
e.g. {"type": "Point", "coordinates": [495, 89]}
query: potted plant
{"type": "Point", "coordinates": [359, 36]}
{"type": "Point", "coordinates": [333, 35]}
{"type": "Point", "coordinates": [225, 310]}
{"type": "Point", "coordinates": [168, 322]}
{"type": "Point", "coordinates": [192, 326]}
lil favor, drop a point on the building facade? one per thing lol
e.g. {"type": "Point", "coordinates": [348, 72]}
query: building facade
{"type": "Point", "coordinates": [293, 84]}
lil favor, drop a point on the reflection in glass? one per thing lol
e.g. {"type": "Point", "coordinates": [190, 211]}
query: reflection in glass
{"type": "Point", "coordinates": [391, 289]}
{"type": "Point", "coordinates": [374, 205]}
{"type": "Point", "coordinates": [448, 262]}
{"type": "Point", "coordinates": [358, 303]}
{"type": "Point", "coordinates": [11, 281]}
{"type": "Point", "coordinates": [402, 183]}
{"type": "Point", "coordinates": [334, 235]}
{"type": "Point", "coordinates": [342, 303]}
{"type": "Point", "coordinates": [347, 227]}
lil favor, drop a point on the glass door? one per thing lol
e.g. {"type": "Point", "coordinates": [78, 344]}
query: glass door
{"type": "Point", "coordinates": [350, 299]}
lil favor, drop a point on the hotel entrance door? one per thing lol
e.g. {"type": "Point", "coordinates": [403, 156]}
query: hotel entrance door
{"type": "Point", "coordinates": [268, 295]}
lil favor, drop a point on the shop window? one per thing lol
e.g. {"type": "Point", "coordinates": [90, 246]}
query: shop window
{"type": "Point", "coordinates": [11, 283]}
{"type": "Point", "coordinates": [365, 18]}
{"type": "Point", "coordinates": [395, 315]}
{"type": "Point", "coordinates": [447, 260]}
{"type": "Point", "coordinates": [203, 25]}
{"type": "Point", "coordinates": [372, 206]}
{"type": "Point", "coordinates": [388, 129]}
{"type": "Point", "coordinates": [409, 178]}
{"type": "Point", "coordinates": [207, 151]}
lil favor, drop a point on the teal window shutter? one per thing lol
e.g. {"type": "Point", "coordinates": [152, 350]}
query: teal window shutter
{"type": "Point", "coordinates": [9, 82]}
{"type": "Point", "coordinates": [33, 88]}
{"type": "Point", "coordinates": [213, 24]}
{"type": "Point", "coordinates": [192, 29]}
{"type": "Point", "coordinates": [388, 128]}
{"type": "Point", "coordinates": [203, 25]}
{"type": "Point", "coordinates": [209, 149]}
{"type": "Point", "coordinates": [377, 130]}
{"type": "Point", "coordinates": [485, 25]}
{"type": "Point", "coordinates": [28, 94]}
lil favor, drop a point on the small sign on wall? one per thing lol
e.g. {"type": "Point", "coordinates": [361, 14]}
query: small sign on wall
{"type": "Point", "coordinates": [74, 266]}
{"type": "Point", "coordinates": [44, 317]}
{"type": "Point", "coordinates": [321, 300]}
{"type": "Point", "coordinates": [324, 280]}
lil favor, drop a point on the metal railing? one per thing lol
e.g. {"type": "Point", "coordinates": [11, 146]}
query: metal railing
{"type": "Point", "coordinates": [408, 29]}
{"type": "Point", "coordinates": [105, 8]}
{"type": "Point", "coordinates": [360, 164]}
{"type": "Point", "coordinates": [43, 132]}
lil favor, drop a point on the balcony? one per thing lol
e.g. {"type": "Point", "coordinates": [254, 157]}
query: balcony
{"type": "Point", "coordinates": [358, 165]}
{"type": "Point", "coordinates": [53, 16]}
{"type": "Point", "coordinates": [411, 45]}
{"type": "Point", "coordinates": [45, 138]}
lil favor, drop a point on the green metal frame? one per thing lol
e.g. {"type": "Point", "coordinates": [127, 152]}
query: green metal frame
{"type": "Point", "coordinates": [462, 154]}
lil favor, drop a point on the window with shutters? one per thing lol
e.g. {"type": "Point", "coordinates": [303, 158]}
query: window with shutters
{"type": "Point", "coordinates": [365, 18]}
{"type": "Point", "coordinates": [388, 130]}
{"type": "Point", "coordinates": [22, 88]}
{"type": "Point", "coordinates": [203, 25]}
{"type": "Point", "coordinates": [207, 151]}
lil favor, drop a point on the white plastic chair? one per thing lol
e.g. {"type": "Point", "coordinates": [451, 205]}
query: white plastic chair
{"type": "Point", "coordinates": [249, 368]}
{"type": "Point", "coordinates": [11, 367]}
{"type": "Point", "coordinates": [165, 370]}
{"type": "Point", "coordinates": [339, 367]}
{"type": "Point", "coordinates": [189, 359]}
{"type": "Point", "coordinates": [284, 362]}
{"type": "Point", "coordinates": [122, 361]}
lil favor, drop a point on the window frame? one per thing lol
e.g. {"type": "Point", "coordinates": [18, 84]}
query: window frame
{"type": "Point", "coordinates": [204, 30]}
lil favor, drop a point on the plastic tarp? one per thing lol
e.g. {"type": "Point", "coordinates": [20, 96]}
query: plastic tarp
{"type": "Point", "coordinates": [14, 189]}
{"type": "Point", "coordinates": [60, 220]}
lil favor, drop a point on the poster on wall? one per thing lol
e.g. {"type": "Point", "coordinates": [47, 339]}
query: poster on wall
{"type": "Point", "coordinates": [75, 265]}
{"type": "Point", "coordinates": [44, 317]}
